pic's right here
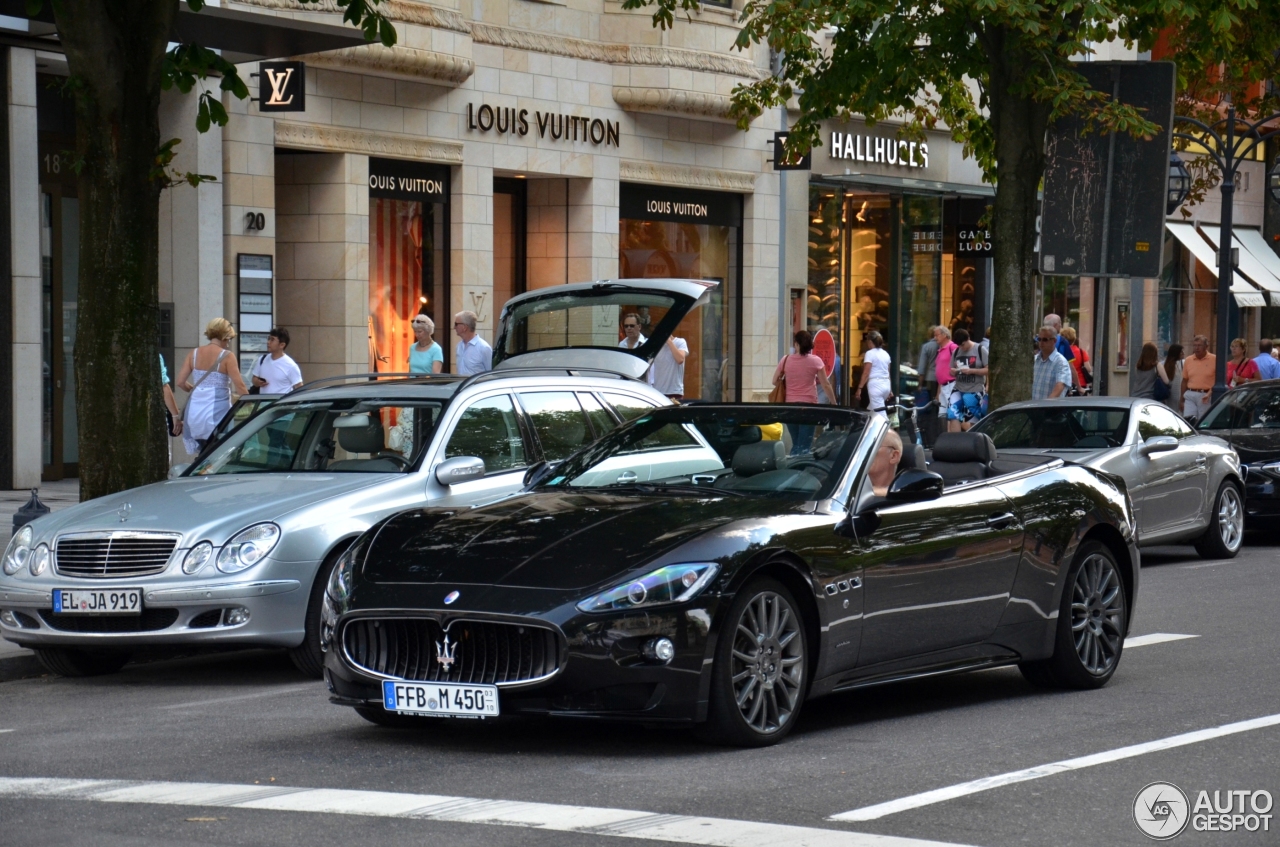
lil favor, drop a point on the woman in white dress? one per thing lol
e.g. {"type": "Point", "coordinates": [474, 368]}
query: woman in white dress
{"type": "Point", "coordinates": [875, 375]}
{"type": "Point", "coordinates": [208, 375]}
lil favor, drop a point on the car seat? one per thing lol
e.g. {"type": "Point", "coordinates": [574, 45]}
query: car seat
{"type": "Point", "coordinates": [363, 439]}
{"type": "Point", "coordinates": [963, 456]}
{"type": "Point", "coordinates": [752, 459]}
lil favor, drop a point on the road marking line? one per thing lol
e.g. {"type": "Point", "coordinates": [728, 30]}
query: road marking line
{"type": "Point", "coordinates": [1206, 565]}
{"type": "Point", "coordinates": [680, 829]}
{"type": "Point", "coordinates": [1154, 638]}
{"type": "Point", "coordinates": [291, 689]}
{"type": "Point", "coordinates": [941, 795]}
{"type": "Point", "coordinates": [2, 731]}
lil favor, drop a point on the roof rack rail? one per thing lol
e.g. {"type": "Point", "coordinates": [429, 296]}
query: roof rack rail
{"type": "Point", "coordinates": [372, 377]}
{"type": "Point", "coordinates": [485, 376]}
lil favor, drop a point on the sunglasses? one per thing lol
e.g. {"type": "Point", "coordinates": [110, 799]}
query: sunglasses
{"type": "Point", "coordinates": [631, 326]}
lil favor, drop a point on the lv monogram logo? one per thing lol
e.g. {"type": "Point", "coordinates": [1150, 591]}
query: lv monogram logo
{"type": "Point", "coordinates": [279, 82]}
{"type": "Point", "coordinates": [477, 304]}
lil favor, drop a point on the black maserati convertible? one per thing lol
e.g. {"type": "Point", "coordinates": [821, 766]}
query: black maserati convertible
{"type": "Point", "coordinates": [718, 565]}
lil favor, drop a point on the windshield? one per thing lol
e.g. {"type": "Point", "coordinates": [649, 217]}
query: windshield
{"type": "Point", "coordinates": [338, 436]}
{"type": "Point", "coordinates": [589, 319]}
{"type": "Point", "coordinates": [1056, 427]}
{"type": "Point", "coordinates": [796, 454]}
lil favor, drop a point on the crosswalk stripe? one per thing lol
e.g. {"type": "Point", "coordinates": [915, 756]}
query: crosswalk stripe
{"type": "Point", "coordinates": [589, 820]}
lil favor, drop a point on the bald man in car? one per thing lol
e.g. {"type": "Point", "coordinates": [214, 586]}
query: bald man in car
{"type": "Point", "coordinates": [884, 465]}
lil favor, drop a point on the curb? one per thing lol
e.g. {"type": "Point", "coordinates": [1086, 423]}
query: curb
{"type": "Point", "coordinates": [21, 667]}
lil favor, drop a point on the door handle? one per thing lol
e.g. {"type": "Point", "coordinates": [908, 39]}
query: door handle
{"type": "Point", "coordinates": [1002, 520]}
{"type": "Point", "coordinates": [627, 477]}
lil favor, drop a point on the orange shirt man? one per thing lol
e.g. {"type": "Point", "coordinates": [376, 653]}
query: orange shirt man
{"type": "Point", "coordinates": [1198, 373]}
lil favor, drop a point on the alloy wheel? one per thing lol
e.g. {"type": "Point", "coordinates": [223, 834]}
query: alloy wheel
{"type": "Point", "coordinates": [1230, 518]}
{"type": "Point", "coordinates": [1097, 614]}
{"type": "Point", "coordinates": [767, 662]}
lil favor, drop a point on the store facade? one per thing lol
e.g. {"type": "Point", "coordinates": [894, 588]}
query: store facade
{"type": "Point", "coordinates": [896, 241]}
{"type": "Point", "coordinates": [493, 151]}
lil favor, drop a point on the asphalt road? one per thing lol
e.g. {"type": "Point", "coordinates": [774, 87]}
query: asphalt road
{"type": "Point", "coordinates": [246, 720]}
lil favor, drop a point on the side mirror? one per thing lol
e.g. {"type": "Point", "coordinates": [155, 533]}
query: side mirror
{"type": "Point", "coordinates": [537, 472]}
{"type": "Point", "coordinates": [1158, 444]}
{"type": "Point", "coordinates": [178, 470]}
{"type": "Point", "coordinates": [459, 469]}
{"type": "Point", "coordinates": [914, 486]}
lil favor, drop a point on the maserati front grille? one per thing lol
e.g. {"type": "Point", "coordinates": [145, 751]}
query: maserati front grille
{"type": "Point", "coordinates": [419, 649]}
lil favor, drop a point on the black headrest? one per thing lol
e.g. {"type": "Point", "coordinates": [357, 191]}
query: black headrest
{"type": "Point", "coordinates": [912, 457]}
{"type": "Point", "coordinates": [362, 439]}
{"type": "Point", "coordinates": [964, 447]}
{"type": "Point", "coordinates": [750, 459]}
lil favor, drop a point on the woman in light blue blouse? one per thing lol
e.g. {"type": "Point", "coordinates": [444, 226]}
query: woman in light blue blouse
{"type": "Point", "coordinates": [425, 356]}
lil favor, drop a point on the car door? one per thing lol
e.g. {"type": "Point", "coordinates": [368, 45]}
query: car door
{"type": "Point", "coordinates": [937, 574]}
{"type": "Point", "coordinates": [1172, 483]}
{"type": "Point", "coordinates": [489, 428]}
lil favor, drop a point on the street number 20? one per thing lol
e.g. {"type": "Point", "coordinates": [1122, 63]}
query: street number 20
{"type": "Point", "coordinates": [255, 221]}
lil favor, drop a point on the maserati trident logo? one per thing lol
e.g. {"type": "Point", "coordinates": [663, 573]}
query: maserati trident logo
{"type": "Point", "coordinates": [124, 511]}
{"type": "Point", "coordinates": [446, 653]}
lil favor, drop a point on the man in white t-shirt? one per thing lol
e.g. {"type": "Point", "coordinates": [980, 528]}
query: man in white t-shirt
{"type": "Point", "coordinates": [633, 339]}
{"type": "Point", "coordinates": [276, 372]}
{"type": "Point", "coordinates": [668, 368]}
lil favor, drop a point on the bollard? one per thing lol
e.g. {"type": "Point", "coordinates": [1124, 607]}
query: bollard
{"type": "Point", "coordinates": [32, 510]}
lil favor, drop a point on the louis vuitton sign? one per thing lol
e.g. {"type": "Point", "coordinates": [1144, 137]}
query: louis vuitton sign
{"type": "Point", "coordinates": [282, 87]}
{"type": "Point", "coordinates": [555, 126]}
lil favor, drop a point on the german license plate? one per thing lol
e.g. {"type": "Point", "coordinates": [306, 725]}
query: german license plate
{"type": "Point", "coordinates": [111, 601]}
{"type": "Point", "coordinates": [440, 698]}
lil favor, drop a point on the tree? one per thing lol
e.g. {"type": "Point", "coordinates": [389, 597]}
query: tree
{"type": "Point", "coordinates": [996, 73]}
{"type": "Point", "coordinates": [119, 62]}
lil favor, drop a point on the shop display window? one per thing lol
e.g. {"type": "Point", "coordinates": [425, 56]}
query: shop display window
{"type": "Point", "coordinates": [406, 277]}
{"type": "Point", "coordinates": [667, 249]}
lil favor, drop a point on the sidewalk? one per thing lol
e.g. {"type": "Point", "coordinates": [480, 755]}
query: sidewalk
{"type": "Point", "coordinates": [15, 662]}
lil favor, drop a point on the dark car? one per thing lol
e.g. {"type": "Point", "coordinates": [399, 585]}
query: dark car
{"type": "Point", "coordinates": [1248, 418]}
{"type": "Point", "coordinates": [761, 573]}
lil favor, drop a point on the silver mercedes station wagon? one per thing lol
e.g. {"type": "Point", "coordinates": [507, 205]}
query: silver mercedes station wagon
{"type": "Point", "coordinates": [236, 550]}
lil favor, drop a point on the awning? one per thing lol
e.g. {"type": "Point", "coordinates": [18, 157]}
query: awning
{"type": "Point", "coordinates": [1253, 241]}
{"type": "Point", "coordinates": [1247, 263]}
{"type": "Point", "coordinates": [243, 36]}
{"type": "Point", "coordinates": [1245, 292]}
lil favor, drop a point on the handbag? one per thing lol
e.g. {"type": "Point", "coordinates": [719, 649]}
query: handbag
{"type": "Point", "coordinates": [1160, 391]}
{"type": "Point", "coordinates": [779, 392]}
{"type": "Point", "coordinates": [256, 389]}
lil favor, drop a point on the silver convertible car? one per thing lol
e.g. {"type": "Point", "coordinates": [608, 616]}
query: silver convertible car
{"type": "Point", "coordinates": [237, 549]}
{"type": "Point", "coordinates": [1186, 485]}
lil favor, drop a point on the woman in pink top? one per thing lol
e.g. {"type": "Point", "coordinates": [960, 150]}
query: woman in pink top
{"type": "Point", "coordinates": [803, 373]}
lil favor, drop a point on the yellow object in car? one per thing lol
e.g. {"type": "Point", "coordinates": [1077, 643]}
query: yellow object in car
{"type": "Point", "coordinates": [770, 432]}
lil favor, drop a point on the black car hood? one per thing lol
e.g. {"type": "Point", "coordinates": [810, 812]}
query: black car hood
{"type": "Point", "coordinates": [557, 541]}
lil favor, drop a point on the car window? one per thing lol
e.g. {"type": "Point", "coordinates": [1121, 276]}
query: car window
{"type": "Point", "coordinates": [1156, 420]}
{"type": "Point", "coordinates": [1056, 426]}
{"type": "Point", "coordinates": [1229, 414]}
{"type": "Point", "coordinates": [1264, 413]}
{"type": "Point", "coordinates": [629, 408]}
{"type": "Point", "coordinates": [558, 420]}
{"type": "Point", "coordinates": [490, 430]}
{"type": "Point", "coordinates": [601, 420]}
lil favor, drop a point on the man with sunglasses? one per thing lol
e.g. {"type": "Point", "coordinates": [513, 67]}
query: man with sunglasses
{"type": "Point", "coordinates": [1051, 373]}
{"type": "Point", "coordinates": [632, 339]}
{"type": "Point", "coordinates": [474, 355]}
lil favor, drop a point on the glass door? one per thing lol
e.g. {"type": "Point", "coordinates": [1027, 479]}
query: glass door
{"type": "Point", "coordinates": [60, 273]}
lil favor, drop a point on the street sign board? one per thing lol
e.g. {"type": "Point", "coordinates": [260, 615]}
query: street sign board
{"type": "Point", "coordinates": [282, 86]}
{"type": "Point", "coordinates": [1104, 195]}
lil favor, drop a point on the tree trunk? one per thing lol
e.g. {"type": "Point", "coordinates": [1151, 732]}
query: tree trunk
{"type": "Point", "coordinates": [114, 53]}
{"type": "Point", "coordinates": [1019, 125]}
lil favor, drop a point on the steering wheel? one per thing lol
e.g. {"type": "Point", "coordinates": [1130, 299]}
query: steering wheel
{"type": "Point", "coordinates": [815, 468]}
{"type": "Point", "coordinates": [1092, 441]}
{"type": "Point", "coordinates": [395, 457]}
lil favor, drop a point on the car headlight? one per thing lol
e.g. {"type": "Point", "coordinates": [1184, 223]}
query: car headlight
{"type": "Point", "coordinates": [339, 585]}
{"type": "Point", "coordinates": [39, 560]}
{"type": "Point", "coordinates": [18, 551]}
{"type": "Point", "coordinates": [197, 557]}
{"type": "Point", "coordinates": [670, 584]}
{"type": "Point", "coordinates": [248, 547]}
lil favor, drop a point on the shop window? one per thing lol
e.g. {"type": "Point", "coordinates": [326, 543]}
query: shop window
{"type": "Point", "coordinates": [825, 299]}
{"type": "Point", "coordinates": [408, 259]}
{"type": "Point", "coordinates": [920, 296]}
{"type": "Point", "coordinates": [681, 248]}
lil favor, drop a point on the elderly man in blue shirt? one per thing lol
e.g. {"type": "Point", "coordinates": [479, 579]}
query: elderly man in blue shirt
{"type": "Point", "coordinates": [1268, 365]}
{"type": "Point", "coordinates": [1051, 374]}
{"type": "Point", "coordinates": [473, 353]}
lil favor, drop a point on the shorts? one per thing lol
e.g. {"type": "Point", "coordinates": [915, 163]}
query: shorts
{"type": "Point", "coordinates": [966, 407]}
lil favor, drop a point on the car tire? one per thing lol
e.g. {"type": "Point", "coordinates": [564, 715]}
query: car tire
{"type": "Point", "coordinates": [1093, 620]}
{"type": "Point", "coordinates": [1225, 533]}
{"type": "Point", "coordinates": [68, 661]}
{"type": "Point", "coordinates": [390, 720]}
{"type": "Point", "coordinates": [307, 657]}
{"type": "Point", "coordinates": [762, 705]}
